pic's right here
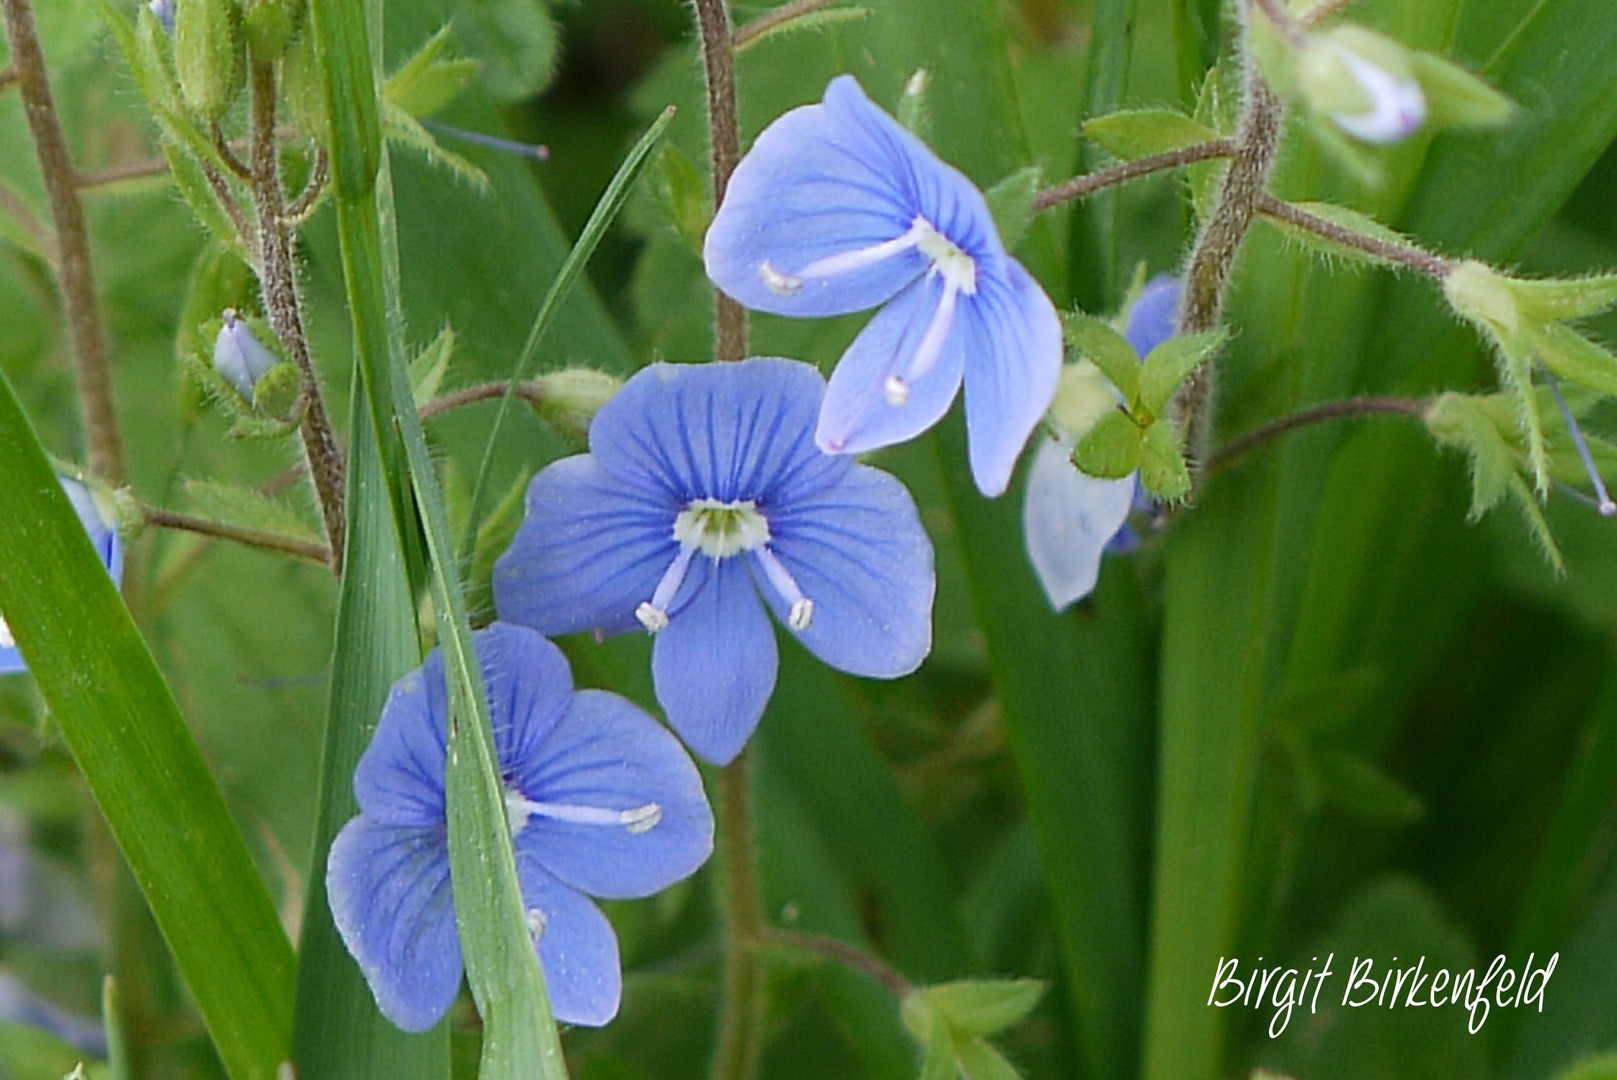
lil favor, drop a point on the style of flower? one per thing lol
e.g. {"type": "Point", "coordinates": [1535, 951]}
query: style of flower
{"type": "Point", "coordinates": [837, 208]}
{"type": "Point", "coordinates": [702, 490]}
{"type": "Point", "coordinates": [600, 798]}
{"type": "Point", "coordinates": [1069, 519]}
{"type": "Point", "coordinates": [103, 535]}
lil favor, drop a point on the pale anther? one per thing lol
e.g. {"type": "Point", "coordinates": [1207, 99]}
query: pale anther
{"type": "Point", "coordinates": [537, 923]}
{"type": "Point", "coordinates": [778, 283]}
{"type": "Point", "coordinates": [896, 390]}
{"type": "Point", "coordinates": [802, 614]}
{"type": "Point", "coordinates": [800, 609]}
{"type": "Point", "coordinates": [653, 619]}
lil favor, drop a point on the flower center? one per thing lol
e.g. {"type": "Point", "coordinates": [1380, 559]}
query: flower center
{"type": "Point", "coordinates": [719, 530]}
{"type": "Point", "coordinates": [519, 808]}
{"type": "Point", "coordinates": [6, 640]}
{"type": "Point", "coordinates": [948, 260]}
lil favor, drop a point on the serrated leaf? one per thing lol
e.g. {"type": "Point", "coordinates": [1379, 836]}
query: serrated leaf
{"type": "Point", "coordinates": [1554, 299]}
{"type": "Point", "coordinates": [984, 1006]}
{"type": "Point", "coordinates": [1537, 525]}
{"type": "Point", "coordinates": [1571, 356]}
{"type": "Point", "coordinates": [980, 1061]}
{"type": "Point", "coordinates": [247, 507]}
{"type": "Point", "coordinates": [823, 19]}
{"type": "Point", "coordinates": [1098, 342]}
{"type": "Point", "coordinates": [1111, 449]}
{"type": "Point", "coordinates": [1138, 133]}
{"type": "Point", "coordinates": [1341, 216]}
{"type": "Point", "coordinates": [400, 127]}
{"type": "Point", "coordinates": [1362, 789]}
{"type": "Point", "coordinates": [428, 368]}
{"type": "Point", "coordinates": [1011, 203]}
{"type": "Point", "coordinates": [1469, 423]}
{"type": "Point", "coordinates": [1171, 363]}
{"type": "Point", "coordinates": [1162, 463]}
{"type": "Point", "coordinates": [426, 82]}
{"type": "Point", "coordinates": [1457, 98]}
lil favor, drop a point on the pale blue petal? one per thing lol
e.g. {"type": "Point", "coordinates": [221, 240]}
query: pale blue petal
{"type": "Point", "coordinates": [858, 551]}
{"type": "Point", "coordinates": [1154, 314]}
{"type": "Point", "coordinates": [529, 687]}
{"type": "Point", "coordinates": [590, 549]}
{"type": "Point", "coordinates": [828, 179]}
{"type": "Point", "coordinates": [857, 415]}
{"type": "Point", "coordinates": [608, 754]}
{"type": "Point", "coordinates": [577, 948]}
{"type": "Point", "coordinates": [713, 665]}
{"type": "Point", "coordinates": [1068, 520]}
{"type": "Point", "coordinates": [717, 431]}
{"type": "Point", "coordinates": [1011, 373]}
{"type": "Point", "coordinates": [11, 662]}
{"type": "Point", "coordinates": [390, 898]}
{"type": "Point", "coordinates": [20, 1005]}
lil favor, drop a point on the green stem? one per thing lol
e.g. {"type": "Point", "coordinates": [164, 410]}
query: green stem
{"type": "Point", "coordinates": [1082, 187]}
{"type": "Point", "coordinates": [1222, 457]}
{"type": "Point", "coordinates": [254, 538]}
{"type": "Point", "coordinates": [851, 955]}
{"type": "Point", "coordinates": [724, 137]}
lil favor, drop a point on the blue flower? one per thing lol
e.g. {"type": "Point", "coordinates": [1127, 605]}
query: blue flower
{"type": "Point", "coordinates": [702, 489]}
{"type": "Point", "coordinates": [600, 798]}
{"type": "Point", "coordinates": [1069, 519]}
{"type": "Point", "coordinates": [239, 357]}
{"type": "Point", "coordinates": [103, 534]}
{"type": "Point", "coordinates": [838, 208]}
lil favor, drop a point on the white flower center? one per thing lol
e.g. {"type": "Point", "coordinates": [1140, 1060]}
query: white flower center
{"type": "Point", "coordinates": [6, 640]}
{"type": "Point", "coordinates": [519, 809]}
{"type": "Point", "coordinates": [719, 530]}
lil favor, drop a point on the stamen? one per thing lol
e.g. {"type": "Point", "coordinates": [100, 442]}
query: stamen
{"type": "Point", "coordinates": [6, 640]}
{"type": "Point", "coordinates": [896, 390]}
{"type": "Point", "coordinates": [847, 262]}
{"type": "Point", "coordinates": [931, 347]}
{"type": "Point", "coordinates": [537, 923]}
{"type": "Point", "coordinates": [654, 614]}
{"type": "Point", "coordinates": [1607, 507]}
{"type": "Point", "coordinates": [519, 808]}
{"type": "Point", "coordinates": [801, 615]}
{"type": "Point", "coordinates": [778, 283]}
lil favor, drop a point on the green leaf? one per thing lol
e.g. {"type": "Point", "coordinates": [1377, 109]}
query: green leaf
{"type": "Point", "coordinates": [1362, 789]}
{"type": "Point", "coordinates": [247, 507]}
{"type": "Point", "coordinates": [1598, 1067]}
{"type": "Point", "coordinates": [980, 1061]}
{"type": "Point", "coordinates": [1571, 356]}
{"type": "Point", "coordinates": [1139, 133]}
{"type": "Point", "coordinates": [1457, 98]}
{"type": "Point", "coordinates": [984, 1006]}
{"type": "Point", "coordinates": [32, 1053]}
{"type": "Point", "coordinates": [1538, 526]}
{"type": "Point", "coordinates": [1465, 422]}
{"type": "Point", "coordinates": [137, 755]}
{"type": "Point", "coordinates": [1171, 363]}
{"type": "Point", "coordinates": [682, 194]}
{"type": "Point", "coordinates": [1011, 203]}
{"type": "Point", "coordinates": [516, 42]}
{"type": "Point", "coordinates": [1363, 224]}
{"type": "Point", "coordinates": [1555, 299]}
{"type": "Point", "coordinates": [1162, 463]}
{"type": "Point", "coordinates": [1111, 449]}
{"type": "Point", "coordinates": [426, 82]}
{"type": "Point", "coordinates": [1098, 342]}
{"type": "Point", "coordinates": [822, 19]}
{"type": "Point", "coordinates": [400, 127]}
{"type": "Point", "coordinates": [427, 370]}
{"type": "Point", "coordinates": [1329, 705]}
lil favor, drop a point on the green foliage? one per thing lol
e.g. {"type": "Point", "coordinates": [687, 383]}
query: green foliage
{"type": "Point", "coordinates": [1011, 203]}
{"type": "Point", "coordinates": [427, 81]}
{"type": "Point", "coordinates": [1138, 133]}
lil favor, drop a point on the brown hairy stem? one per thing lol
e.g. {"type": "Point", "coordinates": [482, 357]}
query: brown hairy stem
{"type": "Point", "coordinates": [1405, 255]}
{"type": "Point", "coordinates": [1222, 457]}
{"type": "Point", "coordinates": [254, 538]}
{"type": "Point", "coordinates": [724, 137]}
{"type": "Point", "coordinates": [1082, 187]}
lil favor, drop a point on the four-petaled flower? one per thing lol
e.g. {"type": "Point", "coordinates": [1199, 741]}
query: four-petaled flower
{"type": "Point", "coordinates": [103, 535]}
{"type": "Point", "coordinates": [600, 798]}
{"type": "Point", "coordinates": [1069, 519]}
{"type": "Point", "coordinates": [702, 489]}
{"type": "Point", "coordinates": [837, 208]}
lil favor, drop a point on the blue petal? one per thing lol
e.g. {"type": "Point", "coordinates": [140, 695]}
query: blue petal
{"type": "Point", "coordinates": [577, 947]}
{"type": "Point", "coordinates": [714, 664]}
{"type": "Point", "coordinates": [390, 897]}
{"type": "Point", "coordinates": [590, 549]}
{"type": "Point", "coordinates": [1068, 520]}
{"type": "Point", "coordinates": [858, 551]}
{"type": "Point", "coordinates": [830, 179]}
{"type": "Point", "coordinates": [11, 662]}
{"type": "Point", "coordinates": [1154, 314]}
{"type": "Point", "coordinates": [717, 431]}
{"type": "Point", "coordinates": [608, 754]}
{"type": "Point", "coordinates": [20, 1005]}
{"type": "Point", "coordinates": [1011, 373]}
{"type": "Point", "coordinates": [530, 689]}
{"type": "Point", "coordinates": [857, 415]}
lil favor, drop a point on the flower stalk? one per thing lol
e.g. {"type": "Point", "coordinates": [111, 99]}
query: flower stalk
{"type": "Point", "coordinates": [1082, 187]}
{"type": "Point", "coordinates": [1405, 255]}
{"type": "Point", "coordinates": [724, 137]}
{"type": "Point", "coordinates": [74, 269]}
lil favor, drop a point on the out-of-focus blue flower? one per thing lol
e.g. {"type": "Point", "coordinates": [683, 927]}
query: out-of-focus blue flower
{"type": "Point", "coordinates": [239, 357]}
{"type": "Point", "coordinates": [103, 534]}
{"type": "Point", "coordinates": [1069, 519]}
{"type": "Point", "coordinates": [1364, 84]}
{"type": "Point", "coordinates": [600, 798]}
{"type": "Point", "coordinates": [20, 1005]}
{"type": "Point", "coordinates": [837, 208]}
{"type": "Point", "coordinates": [703, 489]}
{"type": "Point", "coordinates": [164, 10]}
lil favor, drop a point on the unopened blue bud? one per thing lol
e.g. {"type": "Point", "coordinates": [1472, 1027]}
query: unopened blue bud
{"type": "Point", "coordinates": [1364, 83]}
{"type": "Point", "coordinates": [239, 357]}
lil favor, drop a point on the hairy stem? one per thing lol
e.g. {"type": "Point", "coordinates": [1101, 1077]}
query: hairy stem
{"type": "Point", "coordinates": [254, 538]}
{"type": "Point", "coordinates": [1222, 457]}
{"type": "Point", "coordinates": [839, 950]}
{"type": "Point", "coordinates": [158, 165]}
{"type": "Point", "coordinates": [533, 391]}
{"type": "Point", "coordinates": [74, 270]}
{"type": "Point", "coordinates": [741, 1016]}
{"type": "Point", "coordinates": [1082, 187]}
{"type": "Point", "coordinates": [1406, 255]}
{"type": "Point", "coordinates": [1256, 140]}
{"type": "Point", "coordinates": [754, 29]}
{"type": "Point", "coordinates": [8, 78]}
{"type": "Point", "coordinates": [276, 275]}
{"type": "Point", "coordinates": [724, 137]}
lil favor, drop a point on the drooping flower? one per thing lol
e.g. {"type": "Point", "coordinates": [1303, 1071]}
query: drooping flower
{"type": "Point", "coordinates": [1069, 519]}
{"type": "Point", "coordinates": [837, 208]}
{"type": "Point", "coordinates": [601, 800]}
{"type": "Point", "coordinates": [103, 533]}
{"type": "Point", "coordinates": [1363, 82]}
{"type": "Point", "coordinates": [702, 501]}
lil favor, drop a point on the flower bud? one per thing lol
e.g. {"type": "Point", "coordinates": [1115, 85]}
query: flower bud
{"type": "Point", "coordinates": [208, 54]}
{"type": "Point", "coordinates": [270, 25]}
{"type": "Point", "coordinates": [1364, 83]}
{"type": "Point", "coordinates": [573, 396]}
{"type": "Point", "coordinates": [239, 357]}
{"type": "Point", "coordinates": [1483, 297]}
